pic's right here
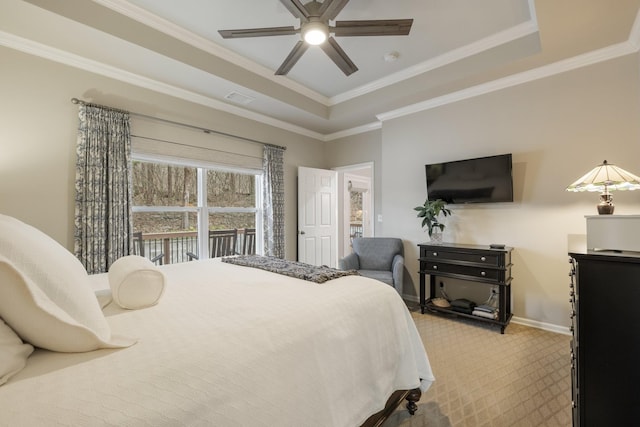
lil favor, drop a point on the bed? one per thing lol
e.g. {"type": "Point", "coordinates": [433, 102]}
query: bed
{"type": "Point", "coordinates": [220, 344]}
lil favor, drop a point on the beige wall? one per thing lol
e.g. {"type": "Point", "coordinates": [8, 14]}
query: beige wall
{"type": "Point", "coordinates": [557, 128]}
{"type": "Point", "coordinates": [38, 137]}
{"type": "Point", "coordinates": [362, 148]}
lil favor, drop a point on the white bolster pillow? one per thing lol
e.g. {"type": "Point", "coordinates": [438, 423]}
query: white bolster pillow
{"type": "Point", "coordinates": [135, 282]}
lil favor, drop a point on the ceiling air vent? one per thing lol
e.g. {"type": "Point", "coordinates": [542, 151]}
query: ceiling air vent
{"type": "Point", "coordinates": [239, 98]}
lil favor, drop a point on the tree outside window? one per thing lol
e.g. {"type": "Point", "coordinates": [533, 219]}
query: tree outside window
{"type": "Point", "coordinates": [167, 209]}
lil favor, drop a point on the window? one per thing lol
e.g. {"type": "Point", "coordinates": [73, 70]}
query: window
{"type": "Point", "coordinates": [182, 212]}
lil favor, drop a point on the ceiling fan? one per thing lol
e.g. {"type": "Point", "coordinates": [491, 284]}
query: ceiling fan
{"type": "Point", "coordinates": [315, 30]}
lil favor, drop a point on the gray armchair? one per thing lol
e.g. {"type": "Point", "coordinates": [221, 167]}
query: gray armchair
{"type": "Point", "coordinates": [380, 258]}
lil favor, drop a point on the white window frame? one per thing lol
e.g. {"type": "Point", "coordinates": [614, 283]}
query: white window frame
{"type": "Point", "coordinates": [203, 210]}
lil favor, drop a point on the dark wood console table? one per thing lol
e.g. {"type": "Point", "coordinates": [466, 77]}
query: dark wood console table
{"type": "Point", "coordinates": [467, 262]}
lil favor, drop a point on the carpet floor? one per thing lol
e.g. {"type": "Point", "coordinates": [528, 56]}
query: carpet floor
{"type": "Point", "coordinates": [486, 379]}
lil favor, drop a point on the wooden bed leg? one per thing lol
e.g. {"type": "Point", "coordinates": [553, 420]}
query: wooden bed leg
{"type": "Point", "coordinates": [413, 396]}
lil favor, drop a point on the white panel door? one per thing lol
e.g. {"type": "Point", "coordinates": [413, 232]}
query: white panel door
{"type": "Point", "coordinates": [317, 216]}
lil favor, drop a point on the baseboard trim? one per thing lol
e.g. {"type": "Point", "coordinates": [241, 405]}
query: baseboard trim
{"type": "Point", "coordinates": [411, 298]}
{"type": "Point", "coordinates": [564, 330]}
{"type": "Point", "coordinates": [550, 327]}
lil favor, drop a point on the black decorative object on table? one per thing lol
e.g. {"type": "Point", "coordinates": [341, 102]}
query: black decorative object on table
{"type": "Point", "coordinates": [475, 263]}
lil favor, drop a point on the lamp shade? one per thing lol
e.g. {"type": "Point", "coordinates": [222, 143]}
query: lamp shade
{"type": "Point", "coordinates": [606, 177]}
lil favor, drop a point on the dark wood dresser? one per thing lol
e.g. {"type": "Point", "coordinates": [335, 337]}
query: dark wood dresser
{"type": "Point", "coordinates": [475, 263]}
{"type": "Point", "coordinates": [605, 349]}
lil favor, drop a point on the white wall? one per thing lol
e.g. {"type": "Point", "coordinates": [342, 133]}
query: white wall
{"type": "Point", "coordinates": [38, 126]}
{"type": "Point", "coordinates": [557, 128]}
{"type": "Point", "coordinates": [357, 149]}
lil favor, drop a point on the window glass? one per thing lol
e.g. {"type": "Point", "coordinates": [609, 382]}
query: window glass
{"type": "Point", "coordinates": [166, 212]}
{"type": "Point", "coordinates": [173, 235]}
{"type": "Point", "coordinates": [157, 184]}
{"type": "Point", "coordinates": [230, 189]}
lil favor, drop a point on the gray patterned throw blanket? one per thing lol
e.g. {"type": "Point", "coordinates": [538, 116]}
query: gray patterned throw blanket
{"type": "Point", "coordinates": [299, 270]}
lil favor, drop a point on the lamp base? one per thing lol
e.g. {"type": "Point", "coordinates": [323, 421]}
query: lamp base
{"type": "Point", "coordinates": [606, 206]}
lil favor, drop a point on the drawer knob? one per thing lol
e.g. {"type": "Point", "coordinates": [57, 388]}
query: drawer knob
{"type": "Point", "coordinates": [483, 259]}
{"type": "Point", "coordinates": [482, 273]}
{"type": "Point", "coordinates": [435, 254]}
{"type": "Point", "coordinates": [435, 267]}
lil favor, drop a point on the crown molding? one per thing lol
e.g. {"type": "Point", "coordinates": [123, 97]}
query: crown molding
{"type": "Point", "coordinates": [631, 46]}
{"type": "Point", "coordinates": [353, 131]}
{"type": "Point", "coordinates": [497, 39]}
{"type": "Point", "coordinates": [149, 19]}
{"type": "Point", "coordinates": [634, 34]}
{"type": "Point", "coordinates": [76, 61]}
{"type": "Point", "coordinates": [590, 58]}
{"type": "Point", "coordinates": [533, 16]}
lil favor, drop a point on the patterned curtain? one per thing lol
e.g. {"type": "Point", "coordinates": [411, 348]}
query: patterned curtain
{"type": "Point", "coordinates": [273, 199]}
{"type": "Point", "coordinates": [103, 228]}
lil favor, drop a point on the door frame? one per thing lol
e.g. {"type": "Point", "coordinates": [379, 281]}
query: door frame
{"type": "Point", "coordinates": [344, 201]}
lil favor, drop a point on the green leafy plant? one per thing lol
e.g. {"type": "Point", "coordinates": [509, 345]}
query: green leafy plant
{"type": "Point", "coordinates": [430, 211]}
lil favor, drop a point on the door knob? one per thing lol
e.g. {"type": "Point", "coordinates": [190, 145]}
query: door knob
{"type": "Point", "coordinates": [302, 232]}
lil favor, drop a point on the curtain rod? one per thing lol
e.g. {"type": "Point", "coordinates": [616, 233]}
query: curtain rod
{"type": "Point", "coordinates": [205, 130]}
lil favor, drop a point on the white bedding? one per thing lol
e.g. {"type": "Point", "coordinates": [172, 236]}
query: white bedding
{"type": "Point", "coordinates": [232, 346]}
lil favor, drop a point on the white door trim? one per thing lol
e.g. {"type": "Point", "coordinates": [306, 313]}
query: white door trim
{"type": "Point", "coordinates": [343, 197]}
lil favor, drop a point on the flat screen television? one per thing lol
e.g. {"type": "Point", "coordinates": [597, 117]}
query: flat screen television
{"type": "Point", "coordinates": [479, 180]}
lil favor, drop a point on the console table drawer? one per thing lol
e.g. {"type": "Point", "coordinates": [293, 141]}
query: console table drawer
{"type": "Point", "coordinates": [489, 274]}
{"type": "Point", "coordinates": [476, 258]}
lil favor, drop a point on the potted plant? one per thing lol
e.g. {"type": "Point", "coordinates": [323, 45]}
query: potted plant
{"type": "Point", "coordinates": [430, 211]}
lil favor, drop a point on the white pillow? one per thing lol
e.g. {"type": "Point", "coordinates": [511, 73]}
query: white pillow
{"type": "Point", "coordinates": [46, 297]}
{"type": "Point", "coordinates": [135, 282]}
{"type": "Point", "coordinates": [13, 353]}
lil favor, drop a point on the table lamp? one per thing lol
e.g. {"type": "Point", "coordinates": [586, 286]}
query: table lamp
{"type": "Point", "coordinates": [604, 178]}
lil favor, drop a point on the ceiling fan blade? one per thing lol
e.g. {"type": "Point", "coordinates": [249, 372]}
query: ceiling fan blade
{"type": "Point", "coordinates": [337, 55]}
{"type": "Point", "coordinates": [296, 8]}
{"type": "Point", "coordinates": [382, 27]}
{"type": "Point", "coordinates": [331, 8]}
{"type": "Point", "coordinates": [257, 32]}
{"type": "Point", "coordinates": [295, 54]}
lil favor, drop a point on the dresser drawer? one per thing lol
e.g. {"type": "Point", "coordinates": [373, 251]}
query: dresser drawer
{"type": "Point", "coordinates": [486, 274]}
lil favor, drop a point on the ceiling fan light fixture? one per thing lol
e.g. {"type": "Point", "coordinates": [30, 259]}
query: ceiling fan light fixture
{"type": "Point", "coordinates": [315, 33]}
{"type": "Point", "coordinates": [316, 30]}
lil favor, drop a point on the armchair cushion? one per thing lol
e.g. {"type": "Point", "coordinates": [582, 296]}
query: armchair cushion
{"type": "Point", "coordinates": [380, 258]}
{"type": "Point", "coordinates": [381, 275]}
{"type": "Point", "coordinates": [376, 253]}
{"type": "Point", "coordinates": [350, 262]}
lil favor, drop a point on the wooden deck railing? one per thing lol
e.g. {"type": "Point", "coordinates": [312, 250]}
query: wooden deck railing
{"type": "Point", "coordinates": [174, 245]}
{"type": "Point", "coordinates": [355, 230]}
